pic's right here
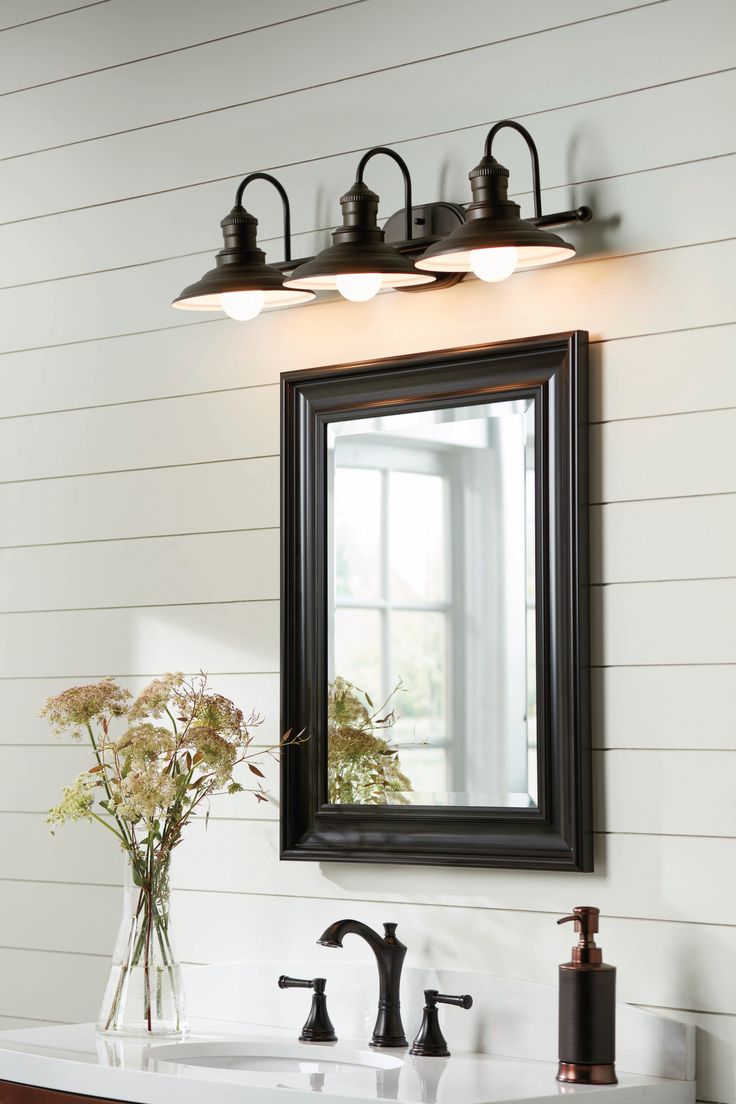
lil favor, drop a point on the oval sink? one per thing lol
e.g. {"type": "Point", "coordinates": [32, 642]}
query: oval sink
{"type": "Point", "coordinates": [274, 1057]}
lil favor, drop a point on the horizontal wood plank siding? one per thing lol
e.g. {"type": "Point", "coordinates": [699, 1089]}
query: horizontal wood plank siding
{"type": "Point", "coordinates": [139, 447]}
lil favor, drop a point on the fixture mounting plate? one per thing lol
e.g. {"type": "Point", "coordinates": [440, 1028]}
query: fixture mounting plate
{"type": "Point", "coordinates": [430, 222]}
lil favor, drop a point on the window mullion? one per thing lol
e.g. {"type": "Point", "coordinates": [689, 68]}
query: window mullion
{"type": "Point", "coordinates": [385, 585]}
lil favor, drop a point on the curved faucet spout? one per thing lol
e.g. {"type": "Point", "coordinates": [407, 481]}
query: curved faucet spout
{"type": "Point", "coordinates": [334, 935]}
{"type": "Point", "coordinates": [390, 954]}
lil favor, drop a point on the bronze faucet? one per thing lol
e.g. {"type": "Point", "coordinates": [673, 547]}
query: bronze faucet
{"type": "Point", "coordinates": [390, 955]}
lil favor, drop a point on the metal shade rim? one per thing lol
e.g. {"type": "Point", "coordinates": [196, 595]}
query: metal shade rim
{"type": "Point", "coordinates": [355, 258]}
{"type": "Point", "coordinates": [540, 246]}
{"type": "Point", "coordinates": [527, 257]}
{"type": "Point", "coordinates": [234, 276]}
{"type": "Point", "coordinates": [209, 300]}
{"type": "Point", "coordinates": [328, 282]}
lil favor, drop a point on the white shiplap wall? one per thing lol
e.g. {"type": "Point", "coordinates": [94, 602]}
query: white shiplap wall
{"type": "Point", "coordinates": [139, 448]}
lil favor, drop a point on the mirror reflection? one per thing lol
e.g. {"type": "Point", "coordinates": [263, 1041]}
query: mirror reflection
{"type": "Point", "coordinates": [431, 614]}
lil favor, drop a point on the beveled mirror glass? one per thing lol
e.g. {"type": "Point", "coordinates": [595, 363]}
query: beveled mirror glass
{"type": "Point", "coordinates": [435, 608]}
{"type": "Point", "coordinates": [431, 615]}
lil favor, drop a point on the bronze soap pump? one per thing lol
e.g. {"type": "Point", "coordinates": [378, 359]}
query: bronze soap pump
{"type": "Point", "coordinates": [587, 1015]}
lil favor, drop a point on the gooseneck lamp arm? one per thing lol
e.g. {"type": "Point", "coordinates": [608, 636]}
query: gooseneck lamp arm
{"type": "Point", "coordinates": [404, 172]}
{"type": "Point", "coordinates": [284, 202]}
{"type": "Point", "coordinates": [560, 218]}
{"type": "Point", "coordinates": [511, 124]}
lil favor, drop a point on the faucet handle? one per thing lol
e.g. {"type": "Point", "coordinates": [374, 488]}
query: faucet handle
{"type": "Point", "coordinates": [430, 1042]}
{"type": "Point", "coordinates": [318, 1027]}
{"type": "Point", "coordinates": [318, 984]}
{"type": "Point", "coordinates": [464, 1001]}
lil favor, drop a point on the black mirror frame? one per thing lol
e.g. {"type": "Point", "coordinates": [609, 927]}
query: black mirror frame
{"type": "Point", "coordinates": [558, 834]}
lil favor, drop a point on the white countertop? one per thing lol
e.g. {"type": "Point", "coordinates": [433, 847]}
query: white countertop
{"type": "Point", "coordinates": [74, 1058]}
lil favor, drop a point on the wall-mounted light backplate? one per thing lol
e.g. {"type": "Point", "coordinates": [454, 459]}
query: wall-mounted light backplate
{"type": "Point", "coordinates": [430, 222]}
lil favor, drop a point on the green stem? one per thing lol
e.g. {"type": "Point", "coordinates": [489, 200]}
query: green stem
{"type": "Point", "coordinates": [108, 826]}
{"type": "Point", "coordinates": [129, 959]}
{"type": "Point", "coordinates": [101, 763]}
{"type": "Point", "coordinates": [149, 921]}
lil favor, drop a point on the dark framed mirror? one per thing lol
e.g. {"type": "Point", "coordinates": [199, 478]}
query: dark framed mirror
{"type": "Point", "coordinates": [435, 630]}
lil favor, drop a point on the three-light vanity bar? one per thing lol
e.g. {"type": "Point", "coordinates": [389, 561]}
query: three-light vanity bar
{"type": "Point", "coordinates": [488, 237]}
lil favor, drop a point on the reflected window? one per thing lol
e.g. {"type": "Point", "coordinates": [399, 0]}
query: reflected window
{"type": "Point", "coordinates": [432, 607]}
{"type": "Point", "coordinates": [391, 600]}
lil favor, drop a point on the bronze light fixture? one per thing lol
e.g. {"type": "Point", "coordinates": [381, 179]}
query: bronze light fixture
{"type": "Point", "coordinates": [494, 240]}
{"type": "Point", "coordinates": [241, 284]}
{"type": "Point", "coordinates": [359, 263]}
{"type": "Point", "coordinates": [488, 237]}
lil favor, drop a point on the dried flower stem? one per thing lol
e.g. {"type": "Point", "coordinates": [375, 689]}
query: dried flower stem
{"type": "Point", "coordinates": [149, 783]}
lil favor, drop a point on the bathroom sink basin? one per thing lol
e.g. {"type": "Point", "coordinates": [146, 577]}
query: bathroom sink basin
{"type": "Point", "coordinates": [274, 1057]}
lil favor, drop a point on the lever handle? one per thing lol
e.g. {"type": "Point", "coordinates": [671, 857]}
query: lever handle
{"type": "Point", "coordinates": [463, 1001]}
{"type": "Point", "coordinates": [318, 984]}
{"type": "Point", "coordinates": [430, 1042]}
{"type": "Point", "coordinates": [318, 1027]}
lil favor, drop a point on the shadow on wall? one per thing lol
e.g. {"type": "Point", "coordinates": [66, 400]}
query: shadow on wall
{"type": "Point", "coordinates": [715, 1066]}
{"type": "Point", "coordinates": [218, 637]}
{"type": "Point", "coordinates": [448, 885]}
{"type": "Point", "coordinates": [714, 1058]}
{"type": "Point", "coordinates": [325, 215]}
{"type": "Point", "coordinates": [594, 239]}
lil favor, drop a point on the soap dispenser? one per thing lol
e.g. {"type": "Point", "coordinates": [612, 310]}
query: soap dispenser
{"type": "Point", "coordinates": [587, 1025]}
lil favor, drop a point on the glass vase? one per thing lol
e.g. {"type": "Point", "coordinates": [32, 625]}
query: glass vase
{"type": "Point", "coordinates": [144, 996]}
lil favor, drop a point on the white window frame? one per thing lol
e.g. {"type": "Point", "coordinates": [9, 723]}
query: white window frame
{"type": "Point", "coordinates": [409, 455]}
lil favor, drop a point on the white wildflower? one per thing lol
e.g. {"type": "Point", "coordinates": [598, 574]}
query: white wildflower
{"type": "Point", "coordinates": [75, 708]}
{"type": "Point", "coordinates": [144, 792]}
{"type": "Point", "coordinates": [76, 802]}
{"type": "Point", "coordinates": [144, 743]}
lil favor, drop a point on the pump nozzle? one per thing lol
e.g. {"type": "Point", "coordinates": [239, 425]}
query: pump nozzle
{"type": "Point", "coordinates": [585, 918]}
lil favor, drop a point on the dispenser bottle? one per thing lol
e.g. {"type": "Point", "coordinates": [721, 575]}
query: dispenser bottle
{"type": "Point", "coordinates": [587, 1026]}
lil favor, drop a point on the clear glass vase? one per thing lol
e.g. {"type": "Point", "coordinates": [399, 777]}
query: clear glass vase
{"type": "Point", "coordinates": [144, 995]}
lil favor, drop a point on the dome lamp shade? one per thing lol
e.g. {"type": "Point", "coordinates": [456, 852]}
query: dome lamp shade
{"type": "Point", "coordinates": [242, 284]}
{"type": "Point", "coordinates": [494, 240]}
{"type": "Point", "coordinates": [359, 263]}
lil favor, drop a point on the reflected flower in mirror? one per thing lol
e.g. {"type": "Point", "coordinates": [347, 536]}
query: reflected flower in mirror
{"type": "Point", "coordinates": [363, 767]}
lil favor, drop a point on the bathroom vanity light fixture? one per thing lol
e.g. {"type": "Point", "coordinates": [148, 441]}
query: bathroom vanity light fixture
{"type": "Point", "coordinates": [488, 238]}
{"type": "Point", "coordinates": [494, 240]}
{"type": "Point", "coordinates": [359, 263]}
{"type": "Point", "coordinates": [242, 284]}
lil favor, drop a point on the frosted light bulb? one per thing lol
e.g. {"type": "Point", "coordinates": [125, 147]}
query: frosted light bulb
{"type": "Point", "coordinates": [358, 286]}
{"type": "Point", "coordinates": [242, 305]}
{"type": "Point", "coordinates": [493, 265]}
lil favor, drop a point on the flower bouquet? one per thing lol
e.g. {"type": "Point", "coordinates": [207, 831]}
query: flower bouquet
{"type": "Point", "coordinates": [182, 745]}
{"type": "Point", "coordinates": [363, 765]}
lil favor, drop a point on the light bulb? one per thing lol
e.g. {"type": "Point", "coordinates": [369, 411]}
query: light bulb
{"type": "Point", "coordinates": [493, 265]}
{"type": "Point", "coordinates": [358, 286]}
{"type": "Point", "coordinates": [242, 305]}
